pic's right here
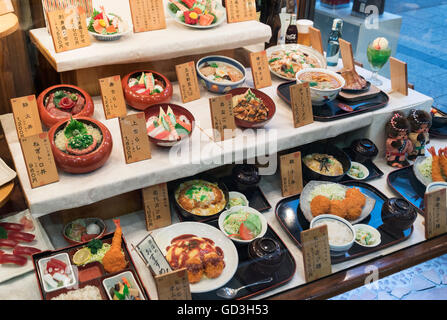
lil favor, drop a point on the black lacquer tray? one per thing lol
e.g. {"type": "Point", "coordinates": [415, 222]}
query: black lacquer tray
{"type": "Point", "coordinates": [440, 132]}
{"type": "Point", "coordinates": [248, 272]}
{"type": "Point", "coordinates": [292, 220]}
{"type": "Point", "coordinates": [374, 171]}
{"type": "Point", "coordinates": [329, 111]}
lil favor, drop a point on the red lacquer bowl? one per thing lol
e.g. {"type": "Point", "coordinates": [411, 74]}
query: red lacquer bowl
{"type": "Point", "coordinates": [50, 119]}
{"type": "Point", "coordinates": [82, 163]}
{"type": "Point", "coordinates": [267, 101]}
{"type": "Point", "coordinates": [141, 102]}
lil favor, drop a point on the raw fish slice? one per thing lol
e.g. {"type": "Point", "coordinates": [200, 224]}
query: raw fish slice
{"type": "Point", "coordinates": [179, 5]}
{"type": "Point", "coordinates": [59, 113]}
{"type": "Point", "coordinates": [78, 106]}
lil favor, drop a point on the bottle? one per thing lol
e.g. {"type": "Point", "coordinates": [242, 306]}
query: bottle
{"type": "Point", "coordinates": [273, 9]}
{"type": "Point", "coordinates": [292, 30]}
{"type": "Point", "coordinates": [333, 46]}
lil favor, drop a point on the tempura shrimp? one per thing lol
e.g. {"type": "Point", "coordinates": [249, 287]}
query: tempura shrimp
{"type": "Point", "coordinates": [436, 174]}
{"type": "Point", "coordinates": [443, 160]}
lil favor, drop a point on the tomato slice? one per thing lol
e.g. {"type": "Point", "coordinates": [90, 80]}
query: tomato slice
{"type": "Point", "coordinates": [245, 233]}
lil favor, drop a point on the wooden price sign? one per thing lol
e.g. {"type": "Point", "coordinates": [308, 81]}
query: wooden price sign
{"type": "Point", "coordinates": [316, 254]}
{"type": "Point", "coordinates": [135, 140]}
{"type": "Point", "coordinates": [6, 7]}
{"type": "Point", "coordinates": [315, 40]}
{"type": "Point", "coordinates": [152, 256]}
{"type": "Point", "coordinates": [39, 160]}
{"type": "Point", "coordinates": [26, 116]}
{"type": "Point", "coordinates": [112, 97]}
{"type": "Point", "coordinates": [156, 206]}
{"type": "Point", "coordinates": [187, 78]}
{"type": "Point", "coordinates": [222, 117]}
{"type": "Point", "coordinates": [260, 69]}
{"type": "Point", "coordinates": [240, 10]}
{"type": "Point", "coordinates": [301, 104]}
{"type": "Point", "coordinates": [291, 174]}
{"type": "Point", "coordinates": [68, 29]}
{"type": "Point", "coordinates": [435, 213]}
{"type": "Point", "coordinates": [347, 55]}
{"type": "Point", "coordinates": [147, 15]}
{"type": "Point", "coordinates": [173, 285]}
{"type": "Point", "coordinates": [399, 76]}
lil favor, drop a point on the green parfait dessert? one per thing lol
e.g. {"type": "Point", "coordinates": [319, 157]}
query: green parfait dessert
{"type": "Point", "coordinates": [378, 54]}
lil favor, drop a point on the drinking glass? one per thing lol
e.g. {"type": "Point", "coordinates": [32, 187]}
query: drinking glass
{"type": "Point", "coordinates": [377, 59]}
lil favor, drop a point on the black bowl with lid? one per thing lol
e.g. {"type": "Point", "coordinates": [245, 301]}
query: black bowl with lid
{"type": "Point", "coordinates": [398, 214]}
{"type": "Point", "coordinates": [246, 176]}
{"type": "Point", "coordinates": [363, 149]}
{"type": "Point", "coordinates": [266, 254]}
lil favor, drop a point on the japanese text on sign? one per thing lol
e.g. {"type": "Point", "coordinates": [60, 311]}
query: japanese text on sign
{"type": "Point", "coordinates": [152, 256]}
{"type": "Point", "coordinates": [316, 253]}
{"type": "Point", "coordinates": [291, 175]}
{"type": "Point", "coordinates": [301, 104]}
{"type": "Point", "coordinates": [187, 78]}
{"type": "Point", "coordinates": [147, 15]}
{"type": "Point", "coordinates": [260, 70]}
{"type": "Point", "coordinates": [26, 116]}
{"type": "Point", "coordinates": [112, 97]}
{"type": "Point", "coordinates": [240, 10]}
{"type": "Point", "coordinates": [222, 117]}
{"type": "Point", "coordinates": [435, 213]}
{"type": "Point", "coordinates": [173, 285]}
{"type": "Point", "coordinates": [135, 140]}
{"type": "Point", "coordinates": [156, 206]}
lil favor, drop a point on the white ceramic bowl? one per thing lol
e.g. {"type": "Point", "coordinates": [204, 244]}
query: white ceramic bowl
{"type": "Point", "coordinates": [362, 168]}
{"type": "Point", "coordinates": [336, 250]}
{"type": "Point", "coordinates": [235, 194]}
{"type": "Point", "coordinates": [226, 213]}
{"type": "Point", "coordinates": [321, 96]}
{"type": "Point", "coordinates": [368, 228]}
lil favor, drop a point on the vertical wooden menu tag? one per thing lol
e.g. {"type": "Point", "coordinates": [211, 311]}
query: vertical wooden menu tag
{"type": "Point", "coordinates": [240, 10]}
{"type": "Point", "coordinates": [188, 83]}
{"type": "Point", "coordinates": [156, 206]}
{"type": "Point", "coordinates": [152, 256]}
{"type": "Point", "coordinates": [291, 174]}
{"type": "Point", "coordinates": [316, 254]}
{"type": "Point", "coordinates": [222, 117]}
{"type": "Point", "coordinates": [68, 29]}
{"type": "Point", "coordinates": [135, 140]}
{"type": "Point", "coordinates": [6, 7]}
{"type": "Point", "coordinates": [39, 160]}
{"type": "Point", "coordinates": [347, 55]}
{"type": "Point", "coordinates": [260, 70]}
{"type": "Point", "coordinates": [112, 97]}
{"type": "Point", "coordinates": [173, 285]}
{"type": "Point", "coordinates": [315, 40]}
{"type": "Point", "coordinates": [301, 104]}
{"type": "Point", "coordinates": [435, 213]}
{"type": "Point", "coordinates": [147, 15]}
{"type": "Point", "coordinates": [26, 116]}
{"type": "Point", "coordinates": [399, 76]}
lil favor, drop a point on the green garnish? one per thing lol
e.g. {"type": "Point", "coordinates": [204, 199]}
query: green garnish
{"type": "Point", "coordinates": [214, 65]}
{"type": "Point", "coordinates": [122, 296]}
{"type": "Point", "coordinates": [94, 245]}
{"type": "Point", "coordinates": [273, 60]}
{"type": "Point", "coordinates": [313, 84]}
{"type": "Point", "coordinates": [81, 141]}
{"type": "Point", "coordinates": [74, 128]}
{"type": "Point", "coordinates": [3, 233]}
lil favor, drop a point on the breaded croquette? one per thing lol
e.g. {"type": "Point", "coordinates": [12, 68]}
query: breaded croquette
{"type": "Point", "coordinates": [356, 196]}
{"type": "Point", "coordinates": [353, 209]}
{"type": "Point", "coordinates": [338, 208]}
{"type": "Point", "coordinates": [320, 205]}
{"type": "Point", "coordinates": [214, 265]}
{"type": "Point", "coordinates": [195, 269]}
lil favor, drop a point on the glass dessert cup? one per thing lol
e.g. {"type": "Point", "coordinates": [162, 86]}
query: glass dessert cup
{"type": "Point", "coordinates": [377, 59]}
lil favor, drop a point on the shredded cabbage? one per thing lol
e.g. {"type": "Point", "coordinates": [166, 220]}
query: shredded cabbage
{"type": "Point", "coordinates": [331, 191]}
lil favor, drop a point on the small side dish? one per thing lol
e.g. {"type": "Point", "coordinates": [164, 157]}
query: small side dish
{"type": "Point", "coordinates": [56, 272]}
{"type": "Point", "coordinates": [242, 223]}
{"type": "Point", "coordinates": [358, 171]}
{"type": "Point", "coordinates": [366, 236]}
{"type": "Point", "coordinates": [236, 199]}
{"type": "Point", "coordinates": [81, 230]}
{"type": "Point", "coordinates": [122, 287]}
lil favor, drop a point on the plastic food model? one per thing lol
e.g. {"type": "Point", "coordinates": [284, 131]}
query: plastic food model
{"type": "Point", "coordinates": [420, 122]}
{"type": "Point", "coordinates": [114, 259]}
{"type": "Point", "coordinates": [398, 145]}
{"type": "Point", "coordinates": [194, 12]}
{"type": "Point", "coordinates": [103, 23]}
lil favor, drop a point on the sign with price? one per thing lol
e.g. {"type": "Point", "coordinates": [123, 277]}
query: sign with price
{"type": "Point", "coordinates": [156, 206]}
{"type": "Point", "coordinates": [135, 140]}
{"type": "Point", "coordinates": [173, 285]}
{"type": "Point", "coordinates": [39, 160]}
{"type": "Point", "coordinates": [68, 29]}
{"type": "Point", "coordinates": [291, 174]}
{"type": "Point", "coordinates": [26, 116]}
{"type": "Point", "coordinates": [435, 213]}
{"type": "Point", "coordinates": [147, 15]}
{"type": "Point", "coordinates": [222, 117]}
{"type": "Point", "coordinates": [260, 70]}
{"type": "Point", "coordinates": [152, 256]}
{"type": "Point", "coordinates": [301, 104]}
{"type": "Point", "coordinates": [399, 76]}
{"type": "Point", "coordinates": [188, 83]}
{"type": "Point", "coordinates": [240, 10]}
{"type": "Point", "coordinates": [316, 254]}
{"type": "Point", "coordinates": [112, 97]}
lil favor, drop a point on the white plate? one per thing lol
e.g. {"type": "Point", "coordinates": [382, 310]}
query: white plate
{"type": "Point", "coordinates": [164, 236]}
{"type": "Point", "coordinates": [306, 49]}
{"type": "Point", "coordinates": [305, 200]}
{"type": "Point", "coordinates": [422, 179]}
{"type": "Point", "coordinates": [220, 18]}
{"type": "Point", "coordinates": [6, 173]}
{"type": "Point", "coordinates": [111, 37]}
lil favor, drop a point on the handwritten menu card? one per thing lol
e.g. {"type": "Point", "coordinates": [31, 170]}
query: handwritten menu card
{"type": "Point", "coordinates": [188, 83]}
{"type": "Point", "coordinates": [435, 213]}
{"type": "Point", "coordinates": [173, 285]}
{"type": "Point", "coordinates": [6, 7]}
{"type": "Point", "coordinates": [240, 10]}
{"type": "Point", "coordinates": [112, 97]}
{"type": "Point", "coordinates": [316, 254]}
{"type": "Point", "coordinates": [399, 76]}
{"type": "Point", "coordinates": [68, 29]}
{"type": "Point", "coordinates": [315, 40]}
{"type": "Point", "coordinates": [222, 117]}
{"type": "Point", "coordinates": [347, 55]}
{"type": "Point", "coordinates": [260, 70]}
{"type": "Point", "coordinates": [26, 116]}
{"type": "Point", "coordinates": [135, 140]}
{"type": "Point", "coordinates": [39, 160]}
{"type": "Point", "coordinates": [152, 256]}
{"type": "Point", "coordinates": [156, 206]}
{"type": "Point", "coordinates": [147, 15]}
{"type": "Point", "coordinates": [291, 174]}
{"type": "Point", "coordinates": [301, 104]}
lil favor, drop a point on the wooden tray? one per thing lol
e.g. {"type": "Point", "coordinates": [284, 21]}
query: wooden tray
{"type": "Point", "coordinates": [329, 111]}
{"type": "Point", "coordinates": [292, 220]}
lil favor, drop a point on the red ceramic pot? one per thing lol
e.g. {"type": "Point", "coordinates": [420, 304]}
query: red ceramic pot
{"type": "Point", "coordinates": [82, 163]}
{"type": "Point", "coordinates": [178, 111]}
{"type": "Point", "coordinates": [50, 119]}
{"type": "Point", "coordinates": [267, 101]}
{"type": "Point", "coordinates": [141, 102]}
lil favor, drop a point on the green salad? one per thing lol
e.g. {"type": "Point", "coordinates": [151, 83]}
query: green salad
{"type": "Point", "coordinates": [237, 201]}
{"type": "Point", "coordinates": [242, 225]}
{"type": "Point", "coordinates": [365, 237]}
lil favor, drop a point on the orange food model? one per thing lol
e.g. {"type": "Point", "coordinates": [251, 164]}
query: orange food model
{"type": "Point", "coordinates": [338, 208]}
{"type": "Point", "coordinates": [114, 260]}
{"type": "Point", "coordinates": [443, 161]}
{"type": "Point", "coordinates": [435, 166]}
{"type": "Point", "coordinates": [320, 205]}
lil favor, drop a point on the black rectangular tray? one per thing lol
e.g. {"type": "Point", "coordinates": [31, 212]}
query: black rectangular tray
{"type": "Point", "coordinates": [247, 272]}
{"type": "Point", "coordinates": [405, 184]}
{"type": "Point", "coordinates": [292, 220]}
{"type": "Point", "coordinates": [440, 132]}
{"type": "Point", "coordinates": [329, 111]}
{"type": "Point", "coordinates": [374, 171]}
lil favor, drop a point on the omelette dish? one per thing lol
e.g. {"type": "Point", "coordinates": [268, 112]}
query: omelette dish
{"type": "Point", "coordinates": [200, 197]}
{"type": "Point", "coordinates": [324, 164]}
{"type": "Point", "coordinates": [200, 256]}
